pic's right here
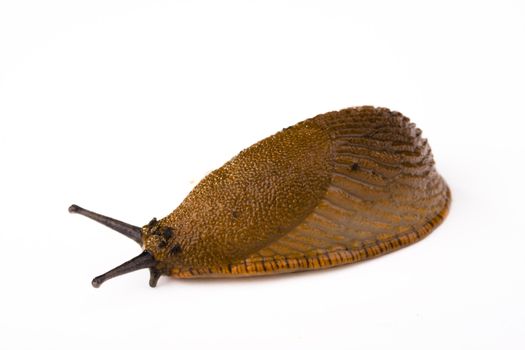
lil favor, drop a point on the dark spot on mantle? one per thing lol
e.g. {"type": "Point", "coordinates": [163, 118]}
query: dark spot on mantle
{"type": "Point", "coordinates": [167, 233]}
{"type": "Point", "coordinates": [176, 249]}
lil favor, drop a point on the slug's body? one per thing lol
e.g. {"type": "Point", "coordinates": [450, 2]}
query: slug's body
{"type": "Point", "coordinates": [334, 189]}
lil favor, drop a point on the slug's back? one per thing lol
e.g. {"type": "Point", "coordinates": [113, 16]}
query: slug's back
{"type": "Point", "coordinates": [334, 189]}
{"type": "Point", "coordinates": [338, 188]}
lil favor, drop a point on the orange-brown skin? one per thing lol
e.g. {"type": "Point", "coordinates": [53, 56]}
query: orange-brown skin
{"type": "Point", "coordinates": [334, 189]}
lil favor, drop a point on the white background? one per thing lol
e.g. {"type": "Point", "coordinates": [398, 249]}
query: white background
{"type": "Point", "coordinates": [123, 106]}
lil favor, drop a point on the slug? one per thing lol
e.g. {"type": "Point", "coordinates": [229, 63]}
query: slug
{"type": "Point", "coordinates": [334, 189]}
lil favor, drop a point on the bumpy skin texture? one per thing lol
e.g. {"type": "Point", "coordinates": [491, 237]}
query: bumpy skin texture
{"type": "Point", "coordinates": [337, 188]}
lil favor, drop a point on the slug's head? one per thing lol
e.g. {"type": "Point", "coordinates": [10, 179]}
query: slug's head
{"type": "Point", "coordinates": [159, 247]}
{"type": "Point", "coordinates": [160, 241]}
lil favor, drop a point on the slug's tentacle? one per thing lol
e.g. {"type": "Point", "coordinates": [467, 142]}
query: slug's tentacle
{"type": "Point", "coordinates": [127, 230]}
{"type": "Point", "coordinates": [154, 275]}
{"type": "Point", "coordinates": [142, 261]}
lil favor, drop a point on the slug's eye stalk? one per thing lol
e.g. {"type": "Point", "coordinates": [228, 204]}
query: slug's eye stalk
{"type": "Point", "coordinates": [142, 261]}
{"type": "Point", "coordinates": [127, 230]}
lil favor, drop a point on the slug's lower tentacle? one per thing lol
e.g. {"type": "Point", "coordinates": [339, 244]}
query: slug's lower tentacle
{"type": "Point", "coordinates": [154, 276]}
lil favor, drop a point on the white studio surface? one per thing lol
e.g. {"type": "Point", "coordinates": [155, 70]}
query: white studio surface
{"type": "Point", "coordinates": [123, 106]}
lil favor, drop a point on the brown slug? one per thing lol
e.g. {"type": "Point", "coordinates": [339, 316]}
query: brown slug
{"type": "Point", "coordinates": [334, 189]}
